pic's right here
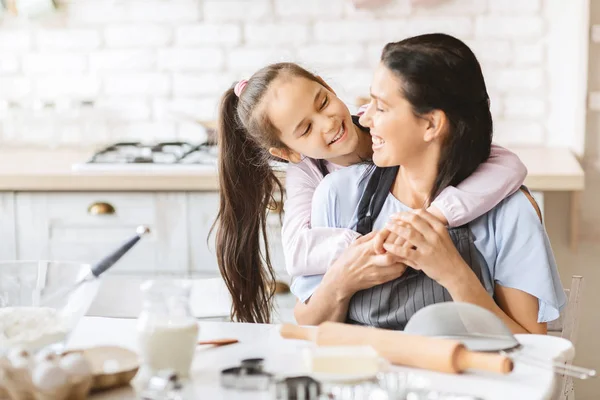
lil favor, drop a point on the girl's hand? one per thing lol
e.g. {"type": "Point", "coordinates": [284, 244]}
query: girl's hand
{"type": "Point", "coordinates": [427, 246]}
{"type": "Point", "coordinates": [359, 267]}
{"type": "Point", "coordinates": [386, 236]}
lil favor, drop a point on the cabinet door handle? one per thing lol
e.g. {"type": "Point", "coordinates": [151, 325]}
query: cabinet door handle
{"type": "Point", "coordinates": [275, 207]}
{"type": "Point", "coordinates": [281, 287]}
{"type": "Point", "coordinates": [100, 208]}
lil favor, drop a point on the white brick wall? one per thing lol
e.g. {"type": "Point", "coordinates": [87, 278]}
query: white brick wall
{"type": "Point", "coordinates": [244, 61]}
{"type": "Point", "coordinates": [54, 40]}
{"type": "Point", "coordinates": [191, 84]}
{"type": "Point", "coordinates": [184, 109]}
{"type": "Point", "coordinates": [122, 60]}
{"type": "Point", "coordinates": [209, 34]}
{"type": "Point", "coordinates": [445, 8]}
{"type": "Point", "coordinates": [458, 26]}
{"type": "Point", "coordinates": [492, 52]}
{"type": "Point", "coordinates": [124, 108]}
{"type": "Point", "coordinates": [14, 88]}
{"type": "Point", "coordinates": [76, 86]}
{"type": "Point", "coordinates": [145, 131]}
{"type": "Point", "coordinates": [161, 11]}
{"type": "Point", "coordinates": [517, 80]}
{"type": "Point", "coordinates": [512, 7]}
{"type": "Point", "coordinates": [514, 27]}
{"type": "Point", "coordinates": [134, 35]}
{"type": "Point", "coordinates": [528, 54]}
{"type": "Point", "coordinates": [43, 63]}
{"type": "Point", "coordinates": [307, 9]}
{"type": "Point", "coordinates": [140, 60]}
{"type": "Point", "coordinates": [524, 107]}
{"type": "Point", "coordinates": [276, 33]}
{"type": "Point", "coordinates": [15, 40]}
{"type": "Point", "coordinates": [325, 55]}
{"type": "Point", "coordinates": [9, 64]}
{"type": "Point", "coordinates": [348, 31]}
{"type": "Point", "coordinates": [190, 59]}
{"type": "Point", "coordinates": [137, 84]}
{"type": "Point", "coordinates": [236, 10]}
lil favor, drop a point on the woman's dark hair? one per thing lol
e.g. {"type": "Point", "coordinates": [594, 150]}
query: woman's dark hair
{"type": "Point", "coordinates": [247, 186]}
{"type": "Point", "coordinates": [440, 72]}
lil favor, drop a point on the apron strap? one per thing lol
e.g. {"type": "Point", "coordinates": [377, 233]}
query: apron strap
{"type": "Point", "coordinates": [372, 200]}
{"type": "Point", "coordinates": [534, 203]}
{"type": "Point", "coordinates": [322, 167]}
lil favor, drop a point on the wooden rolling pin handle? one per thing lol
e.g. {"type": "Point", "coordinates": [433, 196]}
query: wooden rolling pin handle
{"type": "Point", "coordinates": [491, 362]}
{"type": "Point", "coordinates": [290, 331]}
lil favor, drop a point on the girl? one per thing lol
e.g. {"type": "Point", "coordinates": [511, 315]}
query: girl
{"type": "Point", "coordinates": [286, 112]}
{"type": "Point", "coordinates": [431, 127]}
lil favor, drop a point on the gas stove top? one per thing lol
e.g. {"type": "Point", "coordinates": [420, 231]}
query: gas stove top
{"type": "Point", "coordinates": [169, 157]}
{"type": "Point", "coordinates": [158, 156]}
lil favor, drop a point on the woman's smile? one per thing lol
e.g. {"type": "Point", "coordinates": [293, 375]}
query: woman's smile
{"type": "Point", "coordinates": [378, 142]}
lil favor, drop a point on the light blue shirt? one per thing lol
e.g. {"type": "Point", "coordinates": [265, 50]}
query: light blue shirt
{"type": "Point", "coordinates": [510, 239]}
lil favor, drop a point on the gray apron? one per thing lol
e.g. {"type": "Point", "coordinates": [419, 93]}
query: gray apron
{"type": "Point", "coordinates": [393, 303]}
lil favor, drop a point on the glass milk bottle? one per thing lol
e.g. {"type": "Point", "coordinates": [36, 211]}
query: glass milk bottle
{"type": "Point", "coordinates": [167, 332]}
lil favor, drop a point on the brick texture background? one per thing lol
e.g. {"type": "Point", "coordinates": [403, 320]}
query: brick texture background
{"type": "Point", "coordinates": [105, 70]}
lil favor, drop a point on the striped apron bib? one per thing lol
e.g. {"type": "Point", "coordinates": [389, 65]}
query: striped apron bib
{"type": "Point", "coordinates": [393, 303]}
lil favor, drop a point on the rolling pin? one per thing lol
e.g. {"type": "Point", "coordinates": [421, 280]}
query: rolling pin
{"type": "Point", "coordinates": [398, 348]}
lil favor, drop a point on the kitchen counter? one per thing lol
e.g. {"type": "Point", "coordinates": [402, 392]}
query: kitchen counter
{"type": "Point", "coordinates": [44, 170]}
{"type": "Point", "coordinates": [50, 170]}
{"type": "Point", "coordinates": [550, 169]}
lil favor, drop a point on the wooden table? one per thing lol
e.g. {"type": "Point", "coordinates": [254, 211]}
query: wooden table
{"type": "Point", "coordinates": [284, 357]}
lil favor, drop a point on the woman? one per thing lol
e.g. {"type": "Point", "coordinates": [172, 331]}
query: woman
{"type": "Point", "coordinates": [431, 127]}
{"type": "Point", "coordinates": [286, 112]}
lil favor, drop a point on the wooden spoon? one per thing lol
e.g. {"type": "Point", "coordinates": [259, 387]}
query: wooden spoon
{"type": "Point", "coordinates": [218, 342]}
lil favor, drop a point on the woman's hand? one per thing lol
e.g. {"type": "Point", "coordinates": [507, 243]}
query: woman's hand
{"type": "Point", "coordinates": [360, 267]}
{"type": "Point", "coordinates": [386, 236]}
{"type": "Point", "coordinates": [427, 246]}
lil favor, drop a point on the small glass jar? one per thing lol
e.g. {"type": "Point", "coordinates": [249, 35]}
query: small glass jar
{"type": "Point", "coordinates": [167, 332]}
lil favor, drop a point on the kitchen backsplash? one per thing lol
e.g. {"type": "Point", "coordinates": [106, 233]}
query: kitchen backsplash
{"type": "Point", "coordinates": [97, 71]}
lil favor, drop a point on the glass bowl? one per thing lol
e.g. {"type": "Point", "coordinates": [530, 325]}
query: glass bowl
{"type": "Point", "coordinates": [32, 316]}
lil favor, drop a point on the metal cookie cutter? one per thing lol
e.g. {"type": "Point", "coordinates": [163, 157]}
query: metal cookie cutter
{"type": "Point", "coordinates": [297, 388]}
{"type": "Point", "coordinates": [165, 385]}
{"type": "Point", "coordinates": [248, 376]}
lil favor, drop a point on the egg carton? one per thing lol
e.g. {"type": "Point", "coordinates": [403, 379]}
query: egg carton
{"type": "Point", "coordinates": [24, 378]}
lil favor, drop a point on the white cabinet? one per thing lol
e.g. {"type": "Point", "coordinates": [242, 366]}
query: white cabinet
{"type": "Point", "coordinates": [275, 245]}
{"type": "Point", "coordinates": [202, 211]}
{"type": "Point", "coordinates": [202, 208]}
{"type": "Point", "coordinates": [85, 226]}
{"type": "Point", "coordinates": [8, 240]}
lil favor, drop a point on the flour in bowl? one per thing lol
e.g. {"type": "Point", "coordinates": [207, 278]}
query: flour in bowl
{"type": "Point", "coordinates": [31, 327]}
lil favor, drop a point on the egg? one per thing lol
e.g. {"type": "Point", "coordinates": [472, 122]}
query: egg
{"type": "Point", "coordinates": [47, 376]}
{"type": "Point", "coordinates": [75, 364]}
{"type": "Point", "coordinates": [45, 355]}
{"type": "Point", "coordinates": [19, 357]}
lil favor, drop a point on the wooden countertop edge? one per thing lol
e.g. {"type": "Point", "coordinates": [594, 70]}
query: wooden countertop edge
{"type": "Point", "coordinates": [193, 182]}
{"type": "Point", "coordinates": [550, 169]}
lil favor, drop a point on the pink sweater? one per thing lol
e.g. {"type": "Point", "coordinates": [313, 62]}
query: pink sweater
{"type": "Point", "coordinates": [310, 251]}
